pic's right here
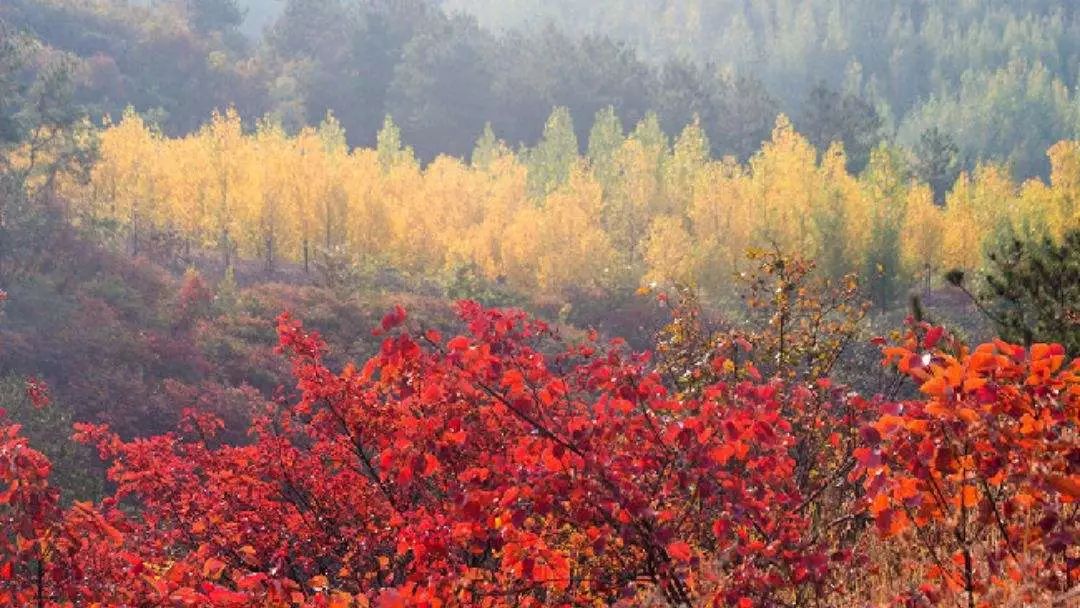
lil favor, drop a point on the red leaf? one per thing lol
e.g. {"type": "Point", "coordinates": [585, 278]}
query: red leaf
{"type": "Point", "coordinates": [933, 336]}
{"type": "Point", "coordinates": [394, 318]}
{"type": "Point", "coordinates": [220, 596]}
{"type": "Point", "coordinates": [680, 551]}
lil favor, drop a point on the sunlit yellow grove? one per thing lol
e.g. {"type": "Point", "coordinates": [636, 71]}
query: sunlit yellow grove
{"type": "Point", "coordinates": [650, 210]}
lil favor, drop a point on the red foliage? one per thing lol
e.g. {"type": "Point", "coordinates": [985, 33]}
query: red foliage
{"type": "Point", "coordinates": [983, 472]}
{"type": "Point", "coordinates": [482, 471]}
{"type": "Point", "coordinates": [37, 392]}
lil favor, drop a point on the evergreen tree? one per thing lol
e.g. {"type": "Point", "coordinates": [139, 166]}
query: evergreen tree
{"type": "Point", "coordinates": [1033, 290]}
{"type": "Point", "coordinates": [829, 116]}
{"type": "Point", "coordinates": [936, 161]}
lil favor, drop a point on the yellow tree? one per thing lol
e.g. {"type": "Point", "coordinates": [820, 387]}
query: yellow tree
{"type": "Point", "coordinates": [224, 142]}
{"type": "Point", "coordinates": [500, 196]}
{"type": "Point", "coordinates": [631, 203]}
{"type": "Point", "coordinates": [561, 248]}
{"type": "Point", "coordinates": [963, 234]}
{"type": "Point", "coordinates": [332, 201]}
{"type": "Point", "coordinates": [123, 175]}
{"type": "Point", "coordinates": [368, 222]}
{"type": "Point", "coordinates": [721, 217]}
{"type": "Point", "coordinates": [270, 234]}
{"type": "Point", "coordinates": [885, 183]}
{"type": "Point", "coordinates": [977, 210]}
{"type": "Point", "coordinates": [669, 251]}
{"type": "Point", "coordinates": [923, 235]}
{"type": "Point", "coordinates": [784, 175]}
{"type": "Point", "coordinates": [688, 158]}
{"type": "Point", "coordinates": [1064, 213]}
{"type": "Point", "coordinates": [410, 238]}
{"type": "Point", "coordinates": [841, 217]}
{"type": "Point", "coordinates": [308, 185]}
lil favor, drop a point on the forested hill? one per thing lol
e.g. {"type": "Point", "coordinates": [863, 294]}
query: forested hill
{"type": "Point", "coordinates": [993, 73]}
{"type": "Point", "coordinates": [978, 80]}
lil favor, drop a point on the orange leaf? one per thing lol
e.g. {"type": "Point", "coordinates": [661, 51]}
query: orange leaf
{"type": "Point", "coordinates": [879, 504]}
{"type": "Point", "coordinates": [969, 497]}
{"type": "Point", "coordinates": [1065, 485]}
{"type": "Point", "coordinates": [973, 383]}
{"type": "Point", "coordinates": [319, 583]}
{"type": "Point", "coordinates": [908, 488]}
{"type": "Point", "coordinates": [934, 387]}
{"type": "Point", "coordinates": [968, 415]}
{"type": "Point", "coordinates": [213, 568]}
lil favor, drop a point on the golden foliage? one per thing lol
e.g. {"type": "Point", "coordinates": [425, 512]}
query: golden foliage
{"type": "Point", "coordinates": [656, 213]}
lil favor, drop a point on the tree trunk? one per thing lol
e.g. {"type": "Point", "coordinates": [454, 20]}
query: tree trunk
{"type": "Point", "coordinates": [227, 250]}
{"type": "Point", "coordinates": [134, 235]}
{"type": "Point", "coordinates": [269, 254]}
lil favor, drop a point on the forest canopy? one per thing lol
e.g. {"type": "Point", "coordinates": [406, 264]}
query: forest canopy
{"type": "Point", "coordinates": [991, 78]}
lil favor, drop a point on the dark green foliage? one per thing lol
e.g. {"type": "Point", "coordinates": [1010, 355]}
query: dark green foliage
{"type": "Point", "coordinates": [467, 282]}
{"type": "Point", "coordinates": [441, 89]}
{"type": "Point", "coordinates": [76, 468]}
{"type": "Point", "coordinates": [41, 125]}
{"type": "Point", "coordinates": [536, 71]}
{"type": "Point", "coordinates": [152, 58]}
{"type": "Point", "coordinates": [743, 116]}
{"type": "Point", "coordinates": [830, 116]}
{"type": "Point", "coordinates": [977, 69]}
{"type": "Point", "coordinates": [1033, 291]}
{"type": "Point", "coordinates": [936, 161]}
{"type": "Point", "coordinates": [215, 15]}
{"type": "Point", "coordinates": [12, 56]}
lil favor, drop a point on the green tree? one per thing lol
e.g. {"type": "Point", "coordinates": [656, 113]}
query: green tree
{"type": "Point", "coordinates": [389, 147]}
{"type": "Point", "coordinates": [488, 148]}
{"type": "Point", "coordinates": [441, 88]}
{"type": "Point", "coordinates": [829, 116]}
{"type": "Point", "coordinates": [743, 116]}
{"type": "Point", "coordinates": [885, 183]}
{"type": "Point", "coordinates": [43, 135]}
{"type": "Point", "coordinates": [936, 162]}
{"type": "Point", "coordinates": [552, 159]}
{"type": "Point", "coordinates": [605, 139]}
{"type": "Point", "coordinates": [1033, 290]}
